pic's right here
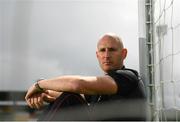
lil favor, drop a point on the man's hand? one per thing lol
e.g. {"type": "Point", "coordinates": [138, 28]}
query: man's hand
{"type": "Point", "coordinates": [37, 100]}
{"type": "Point", "coordinates": [31, 91]}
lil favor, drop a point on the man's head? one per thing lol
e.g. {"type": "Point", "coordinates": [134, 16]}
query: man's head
{"type": "Point", "coordinates": [110, 52]}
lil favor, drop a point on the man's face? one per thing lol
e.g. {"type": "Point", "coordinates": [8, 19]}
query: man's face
{"type": "Point", "coordinates": [109, 54]}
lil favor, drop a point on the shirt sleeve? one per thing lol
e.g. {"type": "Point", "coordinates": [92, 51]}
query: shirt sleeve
{"type": "Point", "coordinates": [126, 81]}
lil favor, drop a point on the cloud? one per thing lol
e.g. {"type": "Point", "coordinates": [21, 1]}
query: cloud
{"type": "Point", "coordinates": [59, 37]}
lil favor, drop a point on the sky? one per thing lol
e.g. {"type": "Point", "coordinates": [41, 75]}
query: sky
{"type": "Point", "coordinates": [49, 38]}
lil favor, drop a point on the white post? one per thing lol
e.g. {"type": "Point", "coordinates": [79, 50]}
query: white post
{"type": "Point", "coordinates": [146, 57]}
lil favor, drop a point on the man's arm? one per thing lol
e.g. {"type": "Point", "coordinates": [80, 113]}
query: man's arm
{"type": "Point", "coordinates": [77, 84]}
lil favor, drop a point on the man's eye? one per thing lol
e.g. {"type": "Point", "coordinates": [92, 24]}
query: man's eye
{"type": "Point", "coordinates": [102, 50]}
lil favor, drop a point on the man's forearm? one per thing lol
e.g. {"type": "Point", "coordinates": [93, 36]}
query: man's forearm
{"type": "Point", "coordinates": [80, 84]}
{"type": "Point", "coordinates": [54, 93]}
{"type": "Point", "coordinates": [50, 96]}
{"type": "Point", "coordinates": [61, 84]}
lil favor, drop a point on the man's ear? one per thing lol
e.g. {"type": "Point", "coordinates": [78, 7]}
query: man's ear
{"type": "Point", "coordinates": [124, 53]}
{"type": "Point", "coordinates": [96, 54]}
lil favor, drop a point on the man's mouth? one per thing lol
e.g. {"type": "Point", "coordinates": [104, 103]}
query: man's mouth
{"type": "Point", "coordinates": [107, 63]}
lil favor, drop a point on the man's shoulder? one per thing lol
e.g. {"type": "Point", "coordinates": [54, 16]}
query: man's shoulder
{"type": "Point", "coordinates": [135, 72]}
{"type": "Point", "coordinates": [126, 72]}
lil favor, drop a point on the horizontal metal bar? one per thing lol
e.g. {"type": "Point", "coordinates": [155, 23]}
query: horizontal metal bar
{"type": "Point", "coordinates": [148, 4]}
{"type": "Point", "coordinates": [149, 22]}
{"type": "Point", "coordinates": [150, 85]}
{"type": "Point", "coordinates": [11, 103]}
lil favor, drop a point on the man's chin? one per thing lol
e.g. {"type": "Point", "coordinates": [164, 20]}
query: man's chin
{"type": "Point", "coordinates": [107, 69]}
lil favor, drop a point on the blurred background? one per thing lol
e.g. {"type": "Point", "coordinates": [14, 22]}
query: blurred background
{"type": "Point", "coordinates": [49, 38]}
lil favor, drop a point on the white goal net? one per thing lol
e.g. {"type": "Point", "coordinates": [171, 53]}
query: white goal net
{"type": "Point", "coordinates": [167, 57]}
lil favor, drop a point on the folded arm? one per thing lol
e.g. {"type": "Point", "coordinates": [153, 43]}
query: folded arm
{"type": "Point", "coordinates": [77, 84]}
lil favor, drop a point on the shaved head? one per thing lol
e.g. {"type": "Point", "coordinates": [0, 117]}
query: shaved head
{"type": "Point", "coordinates": [111, 37]}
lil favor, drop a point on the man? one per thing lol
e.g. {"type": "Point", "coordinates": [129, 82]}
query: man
{"type": "Point", "coordinates": [118, 83]}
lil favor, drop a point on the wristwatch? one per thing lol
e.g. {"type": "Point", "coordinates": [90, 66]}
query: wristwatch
{"type": "Point", "coordinates": [39, 89]}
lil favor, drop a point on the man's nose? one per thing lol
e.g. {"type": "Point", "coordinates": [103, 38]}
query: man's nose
{"type": "Point", "coordinates": [107, 54]}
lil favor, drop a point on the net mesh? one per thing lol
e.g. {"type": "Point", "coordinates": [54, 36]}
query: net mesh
{"type": "Point", "coordinates": [167, 56]}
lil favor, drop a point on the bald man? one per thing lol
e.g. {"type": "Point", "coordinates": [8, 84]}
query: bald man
{"type": "Point", "coordinates": [118, 83]}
